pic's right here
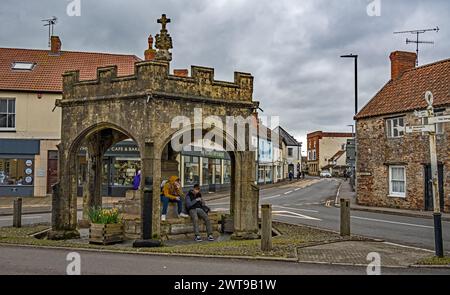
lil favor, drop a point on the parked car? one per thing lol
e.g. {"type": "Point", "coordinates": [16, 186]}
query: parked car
{"type": "Point", "coordinates": [325, 174]}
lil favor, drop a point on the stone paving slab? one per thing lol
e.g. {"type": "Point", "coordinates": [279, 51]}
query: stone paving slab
{"type": "Point", "coordinates": [355, 253]}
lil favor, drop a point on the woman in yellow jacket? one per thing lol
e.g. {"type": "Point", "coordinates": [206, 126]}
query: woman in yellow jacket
{"type": "Point", "coordinates": [172, 193]}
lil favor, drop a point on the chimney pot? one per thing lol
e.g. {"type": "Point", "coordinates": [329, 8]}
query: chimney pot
{"type": "Point", "coordinates": [401, 62]}
{"type": "Point", "coordinates": [55, 45]}
{"type": "Point", "coordinates": [150, 53]}
{"type": "Point", "coordinates": [181, 72]}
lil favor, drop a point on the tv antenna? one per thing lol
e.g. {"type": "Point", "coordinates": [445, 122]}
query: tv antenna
{"type": "Point", "coordinates": [417, 41]}
{"type": "Point", "coordinates": [50, 23]}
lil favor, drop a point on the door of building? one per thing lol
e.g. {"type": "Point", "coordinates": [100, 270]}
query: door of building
{"type": "Point", "coordinates": [429, 188]}
{"type": "Point", "coordinates": [52, 170]}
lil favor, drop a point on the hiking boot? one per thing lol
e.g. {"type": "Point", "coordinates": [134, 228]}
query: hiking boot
{"type": "Point", "coordinates": [198, 239]}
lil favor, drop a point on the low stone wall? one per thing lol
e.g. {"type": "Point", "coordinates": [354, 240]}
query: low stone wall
{"type": "Point", "coordinates": [182, 228]}
{"type": "Point", "coordinates": [171, 229]}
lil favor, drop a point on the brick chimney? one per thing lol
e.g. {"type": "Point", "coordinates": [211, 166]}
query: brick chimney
{"type": "Point", "coordinates": [150, 53]}
{"type": "Point", "coordinates": [181, 72]}
{"type": "Point", "coordinates": [55, 45]}
{"type": "Point", "coordinates": [401, 62]}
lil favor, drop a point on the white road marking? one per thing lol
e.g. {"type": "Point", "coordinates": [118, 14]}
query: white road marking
{"type": "Point", "coordinates": [392, 222]}
{"type": "Point", "coordinates": [294, 215]}
{"type": "Point", "coordinates": [287, 193]}
{"type": "Point", "coordinates": [273, 197]}
{"type": "Point", "coordinates": [290, 208]}
{"type": "Point", "coordinates": [24, 217]}
{"type": "Point", "coordinates": [297, 189]}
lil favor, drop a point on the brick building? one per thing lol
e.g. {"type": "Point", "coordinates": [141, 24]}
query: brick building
{"type": "Point", "coordinates": [322, 146]}
{"type": "Point", "coordinates": [393, 168]}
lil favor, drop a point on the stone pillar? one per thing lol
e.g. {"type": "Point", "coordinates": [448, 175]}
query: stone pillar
{"type": "Point", "coordinates": [151, 167]}
{"type": "Point", "coordinates": [246, 197]}
{"type": "Point", "coordinates": [64, 213]}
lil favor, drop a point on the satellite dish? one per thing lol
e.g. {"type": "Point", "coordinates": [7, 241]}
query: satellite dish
{"type": "Point", "coordinates": [429, 98]}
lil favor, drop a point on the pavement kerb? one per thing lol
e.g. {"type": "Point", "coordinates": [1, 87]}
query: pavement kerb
{"type": "Point", "coordinates": [81, 249]}
{"type": "Point", "coordinates": [406, 214]}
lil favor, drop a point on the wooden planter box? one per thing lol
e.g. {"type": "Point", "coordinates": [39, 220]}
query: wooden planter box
{"type": "Point", "coordinates": [106, 234]}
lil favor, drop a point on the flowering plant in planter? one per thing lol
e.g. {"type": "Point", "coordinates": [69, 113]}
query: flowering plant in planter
{"type": "Point", "coordinates": [104, 216]}
{"type": "Point", "coordinates": [106, 226]}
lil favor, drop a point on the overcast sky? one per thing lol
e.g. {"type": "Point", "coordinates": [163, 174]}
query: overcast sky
{"type": "Point", "coordinates": [292, 47]}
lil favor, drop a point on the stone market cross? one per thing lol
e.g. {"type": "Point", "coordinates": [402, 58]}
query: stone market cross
{"type": "Point", "coordinates": [100, 113]}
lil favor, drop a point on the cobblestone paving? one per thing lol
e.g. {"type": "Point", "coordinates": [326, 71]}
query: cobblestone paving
{"type": "Point", "coordinates": [355, 253]}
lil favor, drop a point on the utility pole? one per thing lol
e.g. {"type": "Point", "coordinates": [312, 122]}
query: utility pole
{"type": "Point", "coordinates": [431, 128]}
{"type": "Point", "coordinates": [355, 57]}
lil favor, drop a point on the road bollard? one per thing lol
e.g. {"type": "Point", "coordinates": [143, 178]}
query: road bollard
{"type": "Point", "coordinates": [266, 227]}
{"type": "Point", "coordinates": [345, 218]}
{"type": "Point", "coordinates": [17, 214]}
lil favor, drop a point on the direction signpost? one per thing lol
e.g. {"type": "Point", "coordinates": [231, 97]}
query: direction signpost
{"type": "Point", "coordinates": [430, 128]}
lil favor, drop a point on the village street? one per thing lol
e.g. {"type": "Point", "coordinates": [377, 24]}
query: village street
{"type": "Point", "coordinates": [306, 206]}
{"type": "Point", "coordinates": [30, 261]}
{"type": "Point", "coordinates": [304, 203]}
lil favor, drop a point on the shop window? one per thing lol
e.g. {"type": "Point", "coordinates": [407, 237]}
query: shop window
{"type": "Point", "coordinates": [226, 171]}
{"type": "Point", "coordinates": [123, 172]}
{"type": "Point", "coordinates": [205, 176]}
{"type": "Point", "coordinates": [16, 172]}
{"type": "Point", "coordinates": [7, 114]}
{"type": "Point", "coordinates": [191, 170]}
{"type": "Point", "coordinates": [217, 171]}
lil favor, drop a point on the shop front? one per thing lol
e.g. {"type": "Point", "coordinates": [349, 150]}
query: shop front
{"type": "Point", "coordinates": [120, 164]}
{"type": "Point", "coordinates": [17, 167]}
{"type": "Point", "coordinates": [210, 169]}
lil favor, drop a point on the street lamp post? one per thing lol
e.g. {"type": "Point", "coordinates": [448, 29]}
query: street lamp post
{"type": "Point", "coordinates": [355, 57]}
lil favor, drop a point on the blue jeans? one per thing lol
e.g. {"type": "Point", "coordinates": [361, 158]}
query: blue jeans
{"type": "Point", "coordinates": [165, 204]}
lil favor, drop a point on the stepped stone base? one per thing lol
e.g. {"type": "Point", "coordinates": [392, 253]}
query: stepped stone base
{"type": "Point", "coordinates": [173, 228]}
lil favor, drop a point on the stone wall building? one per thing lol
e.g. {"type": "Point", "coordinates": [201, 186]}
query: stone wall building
{"type": "Point", "coordinates": [393, 168]}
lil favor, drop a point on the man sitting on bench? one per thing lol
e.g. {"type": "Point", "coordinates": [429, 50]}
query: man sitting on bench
{"type": "Point", "coordinates": [171, 193]}
{"type": "Point", "coordinates": [197, 208]}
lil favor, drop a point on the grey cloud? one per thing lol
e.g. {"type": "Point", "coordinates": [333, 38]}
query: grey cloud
{"type": "Point", "coordinates": [291, 47]}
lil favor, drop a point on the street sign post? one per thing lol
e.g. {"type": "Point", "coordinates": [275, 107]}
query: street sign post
{"type": "Point", "coordinates": [430, 128]}
{"type": "Point", "coordinates": [440, 119]}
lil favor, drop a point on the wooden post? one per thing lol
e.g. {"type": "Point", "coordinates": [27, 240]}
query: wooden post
{"type": "Point", "coordinates": [345, 217]}
{"type": "Point", "coordinates": [17, 214]}
{"type": "Point", "coordinates": [266, 227]}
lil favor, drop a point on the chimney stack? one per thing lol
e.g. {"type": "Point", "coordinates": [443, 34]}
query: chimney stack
{"type": "Point", "coordinates": [181, 72]}
{"type": "Point", "coordinates": [401, 62]}
{"type": "Point", "coordinates": [150, 53]}
{"type": "Point", "coordinates": [55, 45]}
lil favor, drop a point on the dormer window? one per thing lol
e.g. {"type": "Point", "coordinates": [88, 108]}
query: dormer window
{"type": "Point", "coordinates": [23, 66]}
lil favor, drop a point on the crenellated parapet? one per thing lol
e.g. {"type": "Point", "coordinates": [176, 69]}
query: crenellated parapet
{"type": "Point", "coordinates": [153, 77]}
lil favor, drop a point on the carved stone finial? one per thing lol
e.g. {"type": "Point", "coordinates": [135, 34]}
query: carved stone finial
{"type": "Point", "coordinates": [163, 41]}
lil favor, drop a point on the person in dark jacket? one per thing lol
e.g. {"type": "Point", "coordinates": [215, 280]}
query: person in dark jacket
{"type": "Point", "coordinates": [198, 209]}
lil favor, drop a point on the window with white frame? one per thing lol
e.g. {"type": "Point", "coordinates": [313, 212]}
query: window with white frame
{"type": "Point", "coordinates": [397, 181]}
{"type": "Point", "coordinates": [395, 127]}
{"type": "Point", "coordinates": [7, 114]}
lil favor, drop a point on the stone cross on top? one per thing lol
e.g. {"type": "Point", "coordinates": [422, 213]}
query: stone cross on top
{"type": "Point", "coordinates": [163, 41]}
{"type": "Point", "coordinates": [164, 21]}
